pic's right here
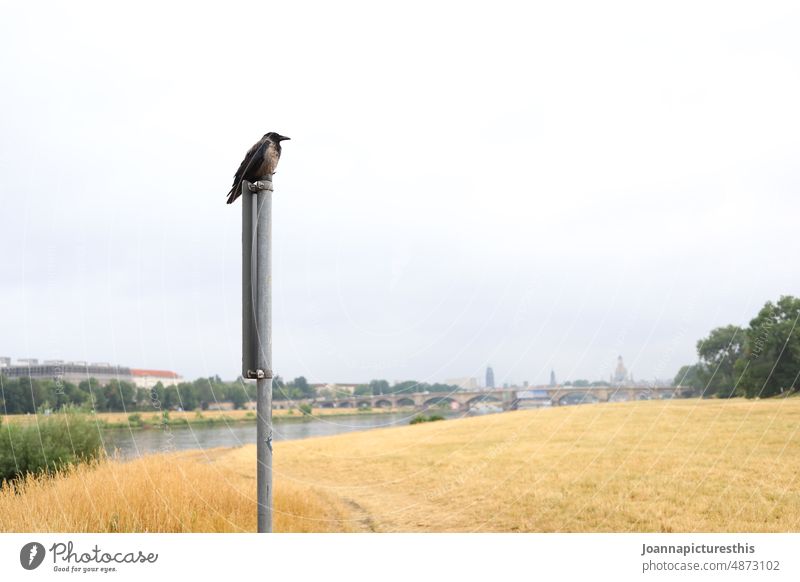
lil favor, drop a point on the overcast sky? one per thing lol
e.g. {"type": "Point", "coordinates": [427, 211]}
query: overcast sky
{"type": "Point", "coordinates": [535, 188]}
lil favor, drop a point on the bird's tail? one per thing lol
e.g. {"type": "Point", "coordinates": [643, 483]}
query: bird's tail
{"type": "Point", "coordinates": [235, 192]}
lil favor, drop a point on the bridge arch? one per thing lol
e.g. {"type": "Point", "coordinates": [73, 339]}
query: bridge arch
{"type": "Point", "coordinates": [483, 398]}
{"type": "Point", "coordinates": [406, 402]}
{"type": "Point", "coordinates": [642, 396]}
{"type": "Point", "coordinates": [345, 404]}
{"type": "Point", "coordinates": [364, 404]}
{"type": "Point", "coordinates": [441, 401]}
{"type": "Point", "coordinates": [383, 403]}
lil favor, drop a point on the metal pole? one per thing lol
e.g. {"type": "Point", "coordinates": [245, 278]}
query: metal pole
{"type": "Point", "coordinates": [263, 325]}
{"type": "Point", "coordinates": [248, 292]}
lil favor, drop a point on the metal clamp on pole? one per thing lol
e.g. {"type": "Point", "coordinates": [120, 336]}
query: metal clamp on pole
{"type": "Point", "coordinates": [259, 374]}
{"type": "Point", "coordinates": [261, 185]}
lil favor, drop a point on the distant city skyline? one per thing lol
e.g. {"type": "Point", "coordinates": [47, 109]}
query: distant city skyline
{"type": "Point", "coordinates": [620, 374]}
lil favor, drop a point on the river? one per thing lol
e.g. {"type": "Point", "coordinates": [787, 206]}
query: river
{"type": "Point", "coordinates": [130, 443]}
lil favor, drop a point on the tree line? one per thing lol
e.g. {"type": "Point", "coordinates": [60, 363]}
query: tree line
{"type": "Point", "coordinates": [379, 387]}
{"type": "Point", "coordinates": [29, 395]}
{"type": "Point", "coordinates": [757, 361]}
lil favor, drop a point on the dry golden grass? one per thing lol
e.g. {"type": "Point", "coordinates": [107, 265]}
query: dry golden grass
{"type": "Point", "coordinates": [644, 466]}
{"type": "Point", "coordinates": [640, 466]}
{"type": "Point", "coordinates": [181, 492]}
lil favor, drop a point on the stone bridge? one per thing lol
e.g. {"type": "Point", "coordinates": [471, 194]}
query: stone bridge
{"type": "Point", "coordinates": [565, 395]}
{"type": "Point", "coordinates": [507, 398]}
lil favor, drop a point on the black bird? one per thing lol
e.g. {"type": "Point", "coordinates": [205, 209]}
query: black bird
{"type": "Point", "coordinates": [260, 161]}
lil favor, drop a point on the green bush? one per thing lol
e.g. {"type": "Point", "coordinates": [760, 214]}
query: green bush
{"type": "Point", "coordinates": [48, 445]}
{"type": "Point", "coordinates": [305, 409]}
{"type": "Point", "coordinates": [423, 418]}
{"type": "Point", "coordinates": [135, 419]}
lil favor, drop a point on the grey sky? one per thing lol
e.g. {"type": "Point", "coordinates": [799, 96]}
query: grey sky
{"type": "Point", "coordinates": [533, 188]}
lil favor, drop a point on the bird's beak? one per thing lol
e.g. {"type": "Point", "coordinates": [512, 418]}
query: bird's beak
{"type": "Point", "coordinates": [284, 138]}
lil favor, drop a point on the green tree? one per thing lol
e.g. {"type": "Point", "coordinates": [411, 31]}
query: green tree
{"type": "Point", "coordinates": [771, 361]}
{"type": "Point", "coordinates": [157, 397]}
{"type": "Point", "coordinates": [239, 396]}
{"type": "Point", "coordinates": [407, 387]}
{"type": "Point", "coordinates": [718, 354]}
{"type": "Point", "coordinates": [189, 396]}
{"type": "Point", "coordinates": [70, 395]}
{"type": "Point", "coordinates": [303, 389]}
{"type": "Point", "coordinates": [17, 398]}
{"type": "Point", "coordinates": [96, 397]}
{"type": "Point", "coordinates": [119, 396]}
{"type": "Point", "coordinates": [172, 399]}
{"type": "Point", "coordinates": [691, 376]}
{"type": "Point", "coordinates": [438, 388]}
{"type": "Point", "coordinates": [362, 390]}
{"type": "Point", "coordinates": [379, 387]}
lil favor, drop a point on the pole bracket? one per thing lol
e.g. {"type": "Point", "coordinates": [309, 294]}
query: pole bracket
{"type": "Point", "coordinates": [259, 374]}
{"type": "Point", "coordinates": [260, 185]}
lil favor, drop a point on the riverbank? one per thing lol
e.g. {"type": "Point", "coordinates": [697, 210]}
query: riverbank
{"type": "Point", "coordinates": [150, 419]}
{"type": "Point", "coordinates": [659, 466]}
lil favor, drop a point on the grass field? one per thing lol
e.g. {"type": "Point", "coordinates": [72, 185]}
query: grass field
{"type": "Point", "coordinates": [646, 466]}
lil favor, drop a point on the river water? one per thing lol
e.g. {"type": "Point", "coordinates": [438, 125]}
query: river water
{"type": "Point", "coordinates": [130, 443]}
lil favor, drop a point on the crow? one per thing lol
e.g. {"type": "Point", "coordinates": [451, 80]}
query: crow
{"type": "Point", "coordinates": [260, 161]}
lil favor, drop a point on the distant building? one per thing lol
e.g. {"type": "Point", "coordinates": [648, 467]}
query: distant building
{"type": "Point", "coordinates": [469, 383]}
{"type": "Point", "coordinates": [149, 378]}
{"type": "Point", "coordinates": [76, 372]}
{"type": "Point", "coordinates": [553, 378]}
{"type": "Point", "coordinates": [620, 375]}
{"type": "Point", "coordinates": [489, 377]}
{"type": "Point", "coordinates": [334, 390]}
{"type": "Point", "coordinates": [72, 372]}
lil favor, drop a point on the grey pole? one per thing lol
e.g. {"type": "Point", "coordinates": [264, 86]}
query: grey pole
{"type": "Point", "coordinates": [248, 292]}
{"type": "Point", "coordinates": [263, 345]}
